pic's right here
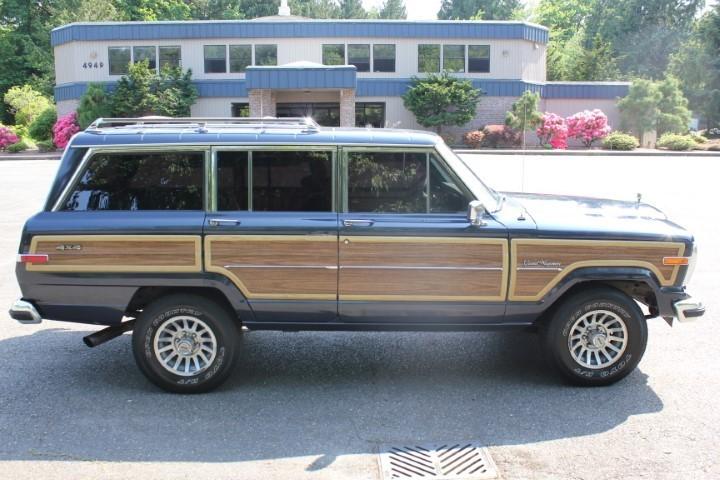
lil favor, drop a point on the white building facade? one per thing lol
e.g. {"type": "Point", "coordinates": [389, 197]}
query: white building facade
{"type": "Point", "coordinates": [341, 72]}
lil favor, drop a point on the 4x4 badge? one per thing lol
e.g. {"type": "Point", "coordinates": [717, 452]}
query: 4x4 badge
{"type": "Point", "coordinates": [68, 247]}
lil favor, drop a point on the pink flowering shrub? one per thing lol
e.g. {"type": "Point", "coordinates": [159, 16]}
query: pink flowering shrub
{"type": "Point", "coordinates": [553, 131]}
{"type": "Point", "coordinates": [588, 126]}
{"type": "Point", "coordinates": [63, 130]}
{"type": "Point", "coordinates": [7, 137]}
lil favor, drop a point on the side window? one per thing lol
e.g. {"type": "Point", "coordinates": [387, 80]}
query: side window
{"type": "Point", "coordinates": [145, 53]}
{"type": "Point", "coordinates": [119, 60]}
{"type": "Point", "coordinates": [478, 58]}
{"type": "Point", "coordinates": [428, 58]}
{"type": "Point", "coordinates": [359, 55]}
{"type": "Point", "coordinates": [333, 54]}
{"type": "Point", "coordinates": [214, 58]}
{"type": "Point", "coordinates": [170, 56]}
{"type": "Point", "coordinates": [280, 181]}
{"type": "Point", "coordinates": [265, 55]}
{"type": "Point", "coordinates": [454, 58]}
{"type": "Point", "coordinates": [383, 58]}
{"type": "Point", "coordinates": [240, 58]}
{"type": "Point", "coordinates": [402, 182]}
{"type": "Point", "coordinates": [140, 181]}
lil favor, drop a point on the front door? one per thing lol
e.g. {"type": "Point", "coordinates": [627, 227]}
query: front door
{"type": "Point", "coordinates": [272, 230]}
{"type": "Point", "coordinates": [407, 252]}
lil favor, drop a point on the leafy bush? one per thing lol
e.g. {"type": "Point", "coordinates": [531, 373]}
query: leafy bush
{"type": "Point", "coordinates": [699, 139]}
{"type": "Point", "coordinates": [588, 126]}
{"type": "Point", "coordinates": [673, 141]}
{"type": "Point", "coordinates": [495, 136]}
{"type": "Point", "coordinates": [552, 131]}
{"type": "Point", "coordinates": [41, 127]}
{"type": "Point", "coordinates": [523, 114]}
{"type": "Point", "coordinates": [26, 104]}
{"type": "Point", "coordinates": [18, 147]}
{"type": "Point", "coordinates": [95, 103]}
{"type": "Point", "coordinates": [473, 138]}
{"type": "Point", "coordinates": [64, 129]}
{"type": "Point", "coordinates": [7, 137]}
{"type": "Point", "coordinates": [46, 146]}
{"type": "Point", "coordinates": [620, 141]}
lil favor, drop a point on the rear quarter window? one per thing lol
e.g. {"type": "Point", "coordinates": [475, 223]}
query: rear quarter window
{"type": "Point", "coordinates": [139, 181]}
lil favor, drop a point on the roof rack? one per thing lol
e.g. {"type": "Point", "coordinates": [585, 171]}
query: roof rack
{"type": "Point", "coordinates": [202, 123]}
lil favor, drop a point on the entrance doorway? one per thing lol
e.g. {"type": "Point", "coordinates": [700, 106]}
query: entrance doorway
{"type": "Point", "coordinates": [325, 114]}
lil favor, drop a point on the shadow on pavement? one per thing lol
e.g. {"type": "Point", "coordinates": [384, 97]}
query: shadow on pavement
{"type": "Point", "coordinates": [298, 394]}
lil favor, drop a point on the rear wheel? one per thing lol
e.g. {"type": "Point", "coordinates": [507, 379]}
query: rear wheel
{"type": "Point", "coordinates": [185, 343]}
{"type": "Point", "coordinates": [596, 337]}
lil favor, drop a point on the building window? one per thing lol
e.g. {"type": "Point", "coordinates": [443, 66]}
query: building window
{"type": "Point", "coordinates": [241, 110]}
{"type": "Point", "coordinates": [428, 58]}
{"type": "Point", "coordinates": [140, 181]}
{"type": "Point", "coordinates": [119, 60]}
{"type": "Point", "coordinates": [215, 59]}
{"type": "Point", "coordinates": [478, 58]}
{"type": "Point", "coordinates": [141, 54]}
{"type": "Point", "coordinates": [359, 55]}
{"type": "Point", "coordinates": [384, 58]}
{"type": "Point", "coordinates": [265, 55]}
{"type": "Point", "coordinates": [454, 58]}
{"type": "Point", "coordinates": [333, 54]}
{"type": "Point", "coordinates": [170, 57]}
{"type": "Point", "coordinates": [372, 114]}
{"type": "Point", "coordinates": [240, 58]}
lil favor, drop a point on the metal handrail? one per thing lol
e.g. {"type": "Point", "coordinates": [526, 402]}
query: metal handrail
{"type": "Point", "coordinates": [203, 122]}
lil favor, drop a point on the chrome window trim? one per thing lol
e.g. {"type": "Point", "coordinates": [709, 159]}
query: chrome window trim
{"type": "Point", "coordinates": [92, 151]}
{"type": "Point", "coordinates": [257, 146]}
{"type": "Point", "coordinates": [279, 148]}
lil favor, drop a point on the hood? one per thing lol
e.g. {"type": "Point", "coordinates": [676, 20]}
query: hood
{"type": "Point", "coordinates": [597, 217]}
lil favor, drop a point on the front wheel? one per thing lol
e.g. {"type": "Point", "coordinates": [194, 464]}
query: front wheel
{"type": "Point", "coordinates": [185, 343]}
{"type": "Point", "coordinates": [596, 337]}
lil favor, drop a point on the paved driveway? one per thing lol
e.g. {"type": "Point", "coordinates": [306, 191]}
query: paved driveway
{"type": "Point", "coordinates": [318, 405]}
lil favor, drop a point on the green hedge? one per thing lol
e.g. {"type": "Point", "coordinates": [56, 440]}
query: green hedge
{"type": "Point", "coordinates": [673, 141]}
{"type": "Point", "coordinates": [620, 141]}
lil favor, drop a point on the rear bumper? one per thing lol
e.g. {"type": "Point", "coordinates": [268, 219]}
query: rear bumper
{"type": "Point", "coordinates": [688, 310]}
{"type": "Point", "coordinates": [25, 312]}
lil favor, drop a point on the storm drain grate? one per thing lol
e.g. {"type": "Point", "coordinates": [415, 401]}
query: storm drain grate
{"type": "Point", "coordinates": [446, 461]}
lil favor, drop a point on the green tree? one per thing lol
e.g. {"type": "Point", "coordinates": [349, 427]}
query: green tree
{"type": "Point", "coordinates": [524, 114]}
{"type": "Point", "coordinates": [154, 10]}
{"type": "Point", "coordinates": [315, 8]}
{"type": "Point", "coordinates": [639, 108]}
{"type": "Point", "coordinates": [478, 9]}
{"type": "Point", "coordinates": [441, 100]}
{"type": "Point", "coordinates": [352, 9]}
{"type": "Point", "coordinates": [143, 92]}
{"type": "Point", "coordinates": [26, 103]}
{"type": "Point", "coordinates": [393, 9]}
{"type": "Point", "coordinates": [594, 62]}
{"type": "Point", "coordinates": [41, 128]}
{"type": "Point", "coordinates": [95, 103]}
{"type": "Point", "coordinates": [673, 112]}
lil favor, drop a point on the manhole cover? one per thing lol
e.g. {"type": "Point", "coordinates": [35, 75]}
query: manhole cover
{"type": "Point", "coordinates": [445, 461]}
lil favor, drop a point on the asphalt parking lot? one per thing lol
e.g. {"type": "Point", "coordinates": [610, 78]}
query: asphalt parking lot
{"type": "Point", "coordinates": [319, 405]}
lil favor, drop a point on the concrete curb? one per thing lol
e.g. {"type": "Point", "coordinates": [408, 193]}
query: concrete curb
{"type": "Point", "coordinates": [5, 157]}
{"type": "Point", "coordinates": [597, 153]}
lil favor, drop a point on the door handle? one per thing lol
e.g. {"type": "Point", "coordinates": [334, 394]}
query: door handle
{"type": "Point", "coordinates": [358, 223]}
{"type": "Point", "coordinates": [218, 222]}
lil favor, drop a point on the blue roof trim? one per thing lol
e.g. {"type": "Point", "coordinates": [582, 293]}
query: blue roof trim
{"type": "Point", "coordinates": [586, 90]}
{"type": "Point", "coordinates": [298, 29]}
{"type": "Point", "coordinates": [374, 87]}
{"type": "Point", "coordinates": [288, 77]}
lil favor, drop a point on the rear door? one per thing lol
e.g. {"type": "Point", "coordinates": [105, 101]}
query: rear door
{"type": "Point", "coordinates": [272, 230]}
{"type": "Point", "coordinates": [407, 251]}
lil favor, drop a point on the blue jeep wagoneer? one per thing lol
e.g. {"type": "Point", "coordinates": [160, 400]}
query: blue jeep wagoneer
{"type": "Point", "coordinates": [186, 231]}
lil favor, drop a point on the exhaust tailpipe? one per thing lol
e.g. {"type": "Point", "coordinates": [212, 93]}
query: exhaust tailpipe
{"type": "Point", "coordinates": [107, 334]}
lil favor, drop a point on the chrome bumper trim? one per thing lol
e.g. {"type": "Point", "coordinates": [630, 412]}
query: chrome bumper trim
{"type": "Point", "coordinates": [688, 310]}
{"type": "Point", "coordinates": [21, 309]}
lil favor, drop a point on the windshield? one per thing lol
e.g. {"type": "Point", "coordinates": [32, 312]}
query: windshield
{"type": "Point", "coordinates": [488, 196]}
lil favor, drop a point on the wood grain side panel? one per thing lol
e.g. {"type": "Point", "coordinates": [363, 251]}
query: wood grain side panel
{"type": "Point", "coordinates": [118, 253]}
{"type": "Point", "coordinates": [276, 266]}
{"type": "Point", "coordinates": [422, 269]}
{"type": "Point", "coordinates": [529, 284]}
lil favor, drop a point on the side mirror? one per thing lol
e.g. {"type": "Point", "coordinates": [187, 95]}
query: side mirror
{"type": "Point", "coordinates": [476, 211]}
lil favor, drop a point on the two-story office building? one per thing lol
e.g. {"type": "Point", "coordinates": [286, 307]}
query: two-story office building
{"type": "Point", "coordinates": [341, 72]}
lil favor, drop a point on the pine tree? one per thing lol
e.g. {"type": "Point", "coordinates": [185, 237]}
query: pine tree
{"type": "Point", "coordinates": [393, 9]}
{"type": "Point", "coordinates": [352, 9]}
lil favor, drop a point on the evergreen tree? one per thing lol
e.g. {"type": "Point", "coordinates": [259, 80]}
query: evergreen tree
{"type": "Point", "coordinates": [524, 114]}
{"type": "Point", "coordinates": [393, 9]}
{"type": "Point", "coordinates": [95, 103]}
{"type": "Point", "coordinates": [673, 113]}
{"type": "Point", "coordinates": [478, 9]}
{"type": "Point", "coordinates": [352, 9]}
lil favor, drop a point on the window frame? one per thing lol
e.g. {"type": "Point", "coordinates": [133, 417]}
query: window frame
{"type": "Point", "coordinates": [255, 58]}
{"type": "Point", "coordinates": [489, 57]}
{"type": "Point", "coordinates": [93, 151]}
{"type": "Point", "coordinates": [333, 45]}
{"type": "Point", "coordinates": [374, 57]}
{"type": "Point", "coordinates": [439, 57]}
{"type": "Point", "coordinates": [213, 190]}
{"type": "Point", "coordinates": [229, 53]}
{"type": "Point", "coordinates": [205, 59]}
{"type": "Point", "coordinates": [464, 57]}
{"type": "Point", "coordinates": [129, 48]}
{"type": "Point", "coordinates": [159, 55]}
{"type": "Point", "coordinates": [344, 183]}
{"type": "Point", "coordinates": [369, 56]}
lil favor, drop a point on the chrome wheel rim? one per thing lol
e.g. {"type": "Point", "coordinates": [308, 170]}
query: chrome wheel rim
{"type": "Point", "coordinates": [185, 345]}
{"type": "Point", "coordinates": [598, 339]}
